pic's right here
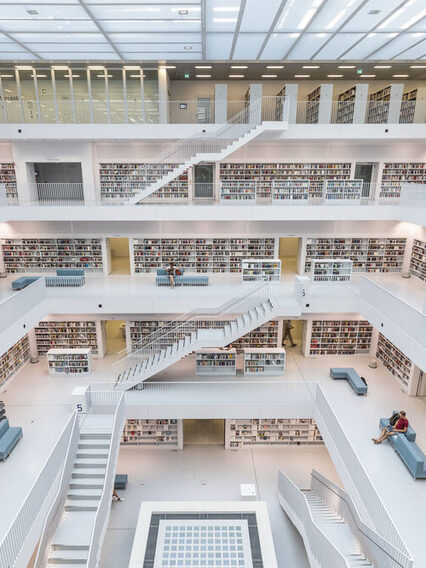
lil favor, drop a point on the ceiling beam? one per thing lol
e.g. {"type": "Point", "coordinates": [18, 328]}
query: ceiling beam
{"type": "Point", "coordinates": [272, 28]}
{"type": "Point", "coordinates": [97, 24]}
{"type": "Point", "coordinates": [237, 27]}
{"type": "Point", "coordinates": [21, 44]}
{"type": "Point", "coordinates": [203, 28]}
{"type": "Point", "coordinates": [311, 21]}
{"type": "Point", "coordinates": [407, 48]}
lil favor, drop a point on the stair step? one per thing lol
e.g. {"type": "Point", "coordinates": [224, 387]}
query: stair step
{"type": "Point", "coordinates": [84, 473]}
{"type": "Point", "coordinates": [82, 505]}
{"type": "Point", "coordinates": [93, 444]}
{"type": "Point", "coordinates": [89, 453]}
{"type": "Point", "coordinates": [65, 556]}
{"type": "Point", "coordinates": [95, 483]}
{"type": "Point", "coordinates": [87, 463]}
{"type": "Point", "coordinates": [80, 494]}
{"type": "Point", "coordinates": [95, 435]}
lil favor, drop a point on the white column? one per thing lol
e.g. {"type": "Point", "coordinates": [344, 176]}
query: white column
{"type": "Point", "coordinates": [306, 341]}
{"type": "Point", "coordinates": [325, 104]}
{"type": "Point", "coordinates": [420, 108]}
{"type": "Point", "coordinates": [163, 95]}
{"type": "Point", "coordinates": [407, 254]}
{"type": "Point", "coordinates": [255, 110]}
{"type": "Point", "coordinates": [220, 103]}
{"type": "Point", "coordinates": [100, 338]}
{"type": "Point", "coordinates": [128, 338]}
{"type": "Point", "coordinates": [32, 342]}
{"type": "Point", "coordinates": [180, 434]}
{"type": "Point", "coordinates": [291, 93]}
{"type": "Point", "coordinates": [376, 189]}
{"type": "Point", "coordinates": [90, 174]}
{"type": "Point", "coordinates": [374, 342]}
{"type": "Point", "coordinates": [360, 105]}
{"type": "Point", "coordinates": [395, 102]}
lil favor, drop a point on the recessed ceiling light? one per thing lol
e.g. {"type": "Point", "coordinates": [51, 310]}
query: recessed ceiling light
{"type": "Point", "coordinates": [310, 67]}
{"type": "Point", "coordinates": [400, 75]}
{"type": "Point", "coordinates": [95, 67]}
{"type": "Point", "coordinates": [41, 75]}
{"type": "Point", "coordinates": [102, 76]}
{"type": "Point", "coordinates": [275, 67]}
{"type": "Point", "coordinates": [203, 66]}
{"type": "Point", "coordinates": [131, 67]}
{"type": "Point", "coordinates": [204, 76]}
{"type": "Point", "coordinates": [183, 12]}
{"type": "Point", "coordinates": [3, 75]}
{"type": "Point", "coordinates": [60, 67]}
{"type": "Point", "coordinates": [411, 67]}
{"type": "Point", "coordinates": [135, 76]}
{"type": "Point", "coordinates": [346, 66]}
{"type": "Point", "coordinates": [269, 76]}
{"type": "Point", "coordinates": [302, 76]}
{"type": "Point", "coordinates": [32, 12]}
{"type": "Point", "coordinates": [236, 76]}
{"type": "Point", "coordinates": [364, 76]}
{"type": "Point", "coordinates": [188, 47]}
{"type": "Point", "coordinates": [334, 75]}
{"type": "Point", "coordinates": [382, 66]}
{"type": "Point", "coordinates": [167, 67]}
{"type": "Point", "coordinates": [73, 75]}
{"type": "Point", "coordinates": [24, 67]}
{"type": "Point", "coordinates": [239, 66]}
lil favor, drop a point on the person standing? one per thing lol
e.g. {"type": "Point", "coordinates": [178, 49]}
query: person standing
{"type": "Point", "coordinates": [288, 326]}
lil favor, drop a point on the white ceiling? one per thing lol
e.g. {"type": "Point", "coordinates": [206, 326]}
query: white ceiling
{"type": "Point", "coordinates": [214, 30]}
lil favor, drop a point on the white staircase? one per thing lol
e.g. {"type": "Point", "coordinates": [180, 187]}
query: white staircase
{"type": "Point", "coordinates": [183, 339]}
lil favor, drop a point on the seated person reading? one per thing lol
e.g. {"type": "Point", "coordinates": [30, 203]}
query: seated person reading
{"type": "Point", "coordinates": [398, 424]}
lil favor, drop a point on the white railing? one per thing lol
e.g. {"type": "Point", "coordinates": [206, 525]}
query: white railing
{"type": "Point", "coordinates": [104, 506]}
{"type": "Point", "coordinates": [321, 551]}
{"type": "Point", "coordinates": [57, 508]}
{"type": "Point", "coordinates": [52, 193]}
{"type": "Point", "coordinates": [20, 528]}
{"type": "Point", "coordinates": [377, 549]}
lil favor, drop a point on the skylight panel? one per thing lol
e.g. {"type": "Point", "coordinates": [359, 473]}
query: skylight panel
{"type": "Point", "coordinates": [415, 52]}
{"type": "Point", "coordinates": [218, 45]}
{"type": "Point", "coordinates": [48, 26]}
{"type": "Point", "coordinates": [400, 43]}
{"type": "Point", "coordinates": [278, 45]}
{"type": "Point", "coordinates": [248, 46]}
{"type": "Point", "coordinates": [222, 15]}
{"type": "Point", "coordinates": [367, 18]}
{"type": "Point", "coordinates": [257, 20]}
{"type": "Point", "coordinates": [297, 15]}
{"type": "Point", "coordinates": [332, 16]}
{"type": "Point", "coordinates": [151, 25]}
{"type": "Point", "coordinates": [337, 45]}
{"type": "Point", "coordinates": [367, 45]}
{"type": "Point", "coordinates": [308, 45]}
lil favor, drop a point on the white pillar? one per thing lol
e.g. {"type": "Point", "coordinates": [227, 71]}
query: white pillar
{"type": "Point", "coordinates": [32, 342]}
{"type": "Point", "coordinates": [325, 104]}
{"type": "Point", "coordinates": [163, 95]}
{"type": "Point", "coordinates": [395, 102]}
{"type": "Point", "coordinates": [407, 254]}
{"type": "Point", "coordinates": [374, 342]}
{"type": "Point", "coordinates": [256, 109]}
{"type": "Point", "coordinates": [220, 103]}
{"type": "Point", "coordinates": [360, 104]}
{"type": "Point", "coordinates": [291, 94]}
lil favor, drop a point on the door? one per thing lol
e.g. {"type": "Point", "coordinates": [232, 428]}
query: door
{"type": "Point", "coordinates": [365, 172]}
{"type": "Point", "coordinates": [203, 181]}
{"type": "Point", "coordinates": [120, 255]}
{"type": "Point", "coordinates": [204, 110]}
{"type": "Point", "coordinates": [204, 432]}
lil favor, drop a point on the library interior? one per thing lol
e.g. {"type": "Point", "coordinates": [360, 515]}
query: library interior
{"type": "Point", "coordinates": [213, 284]}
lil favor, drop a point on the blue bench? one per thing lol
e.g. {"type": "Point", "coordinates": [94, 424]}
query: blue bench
{"type": "Point", "coordinates": [410, 453]}
{"type": "Point", "coordinates": [9, 437]}
{"type": "Point", "coordinates": [120, 481]}
{"type": "Point", "coordinates": [351, 376]}
{"type": "Point", "coordinates": [58, 281]}
{"type": "Point", "coordinates": [23, 282]}
{"type": "Point", "coordinates": [70, 272]}
{"type": "Point", "coordinates": [162, 279]}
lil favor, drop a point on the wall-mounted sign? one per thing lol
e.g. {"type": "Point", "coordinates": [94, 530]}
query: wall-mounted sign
{"type": "Point", "coordinates": [183, 106]}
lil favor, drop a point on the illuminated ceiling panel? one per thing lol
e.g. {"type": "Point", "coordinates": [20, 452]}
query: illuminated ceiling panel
{"type": "Point", "coordinates": [307, 45]}
{"type": "Point", "coordinates": [278, 45]}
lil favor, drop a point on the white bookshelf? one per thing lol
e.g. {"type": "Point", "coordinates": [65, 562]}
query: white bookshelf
{"type": "Point", "coordinates": [122, 180]}
{"type": "Point", "coordinates": [249, 432]}
{"type": "Point", "coordinates": [296, 190]}
{"type": "Point", "coordinates": [418, 259]}
{"type": "Point", "coordinates": [343, 190]}
{"type": "Point", "coordinates": [312, 106]}
{"type": "Point", "coordinates": [264, 269]}
{"type": "Point", "coordinates": [367, 254]}
{"type": "Point", "coordinates": [8, 178]}
{"type": "Point", "coordinates": [394, 174]}
{"type": "Point", "coordinates": [199, 255]}
{"type": "Point", "coordinates": [69, 361]}
{"type": "Point", "coordinates": [264, 362]}
{"type": "Point", "coordinates": [331, 270]}
{"type": "Point", "coordinates": [14, 358]}
{"type": "Point", "coordinates": [408, 107]}
{"type": "Point", "coordinates": [67, 334]}
{"type": "Point", "coordinates": [216, 362]}
{"type": "Point", "coordinates": [395, 361]}
{"type": "Point", "coordinates": [238, 190]}
{"type": "Point", "coordinates": [346, 106]}
{"type": "Point", "coordinates": [338, 337]}
{"type": "Point", "coordinates": [164, 434]}
{"type": "Point", "coordinates": [378, 106]}
{"type": "Point", "coordinates": [46, 255]}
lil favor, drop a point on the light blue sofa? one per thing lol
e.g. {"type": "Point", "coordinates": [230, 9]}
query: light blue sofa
{"type": "Point", "coordinates": [410, 434]}
{"type": "Point", "coordinates": [162, 279]}
{"type": "Point", "coordinates": [23, 282]}
{"type": "Point", "coordinates": [70, 272]}
{"type": "Point", "coordinates": [9, 437]}
{"type": "Point", "coordinates": [351, 376]}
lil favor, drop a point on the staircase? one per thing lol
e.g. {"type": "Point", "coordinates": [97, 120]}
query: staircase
{"type": "Point", "coordinates": [206, 147]}
{"type": "Point", "coordinates": [169, 345]}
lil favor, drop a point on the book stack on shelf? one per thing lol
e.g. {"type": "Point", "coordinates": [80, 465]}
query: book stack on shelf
{"type": "Point", "coordinates": [69, 361]}
{"type": "Point", "coordinates": [14, 358]}
{"type": "Point", "coordinates": [395, 361]}
{"type": "Point", "coordinates": [343, 190]}
{"type": "Point", "coordinates": [408, 107]}
{"type": "Point", "coordinates": [264, 362]}
{"type": "Point", "coordinates": [345, 106]}
{"type": "Point", "coordinates": [263, 336]}
{"type": "Point", "coordinates": [331, 270]}
{"type": "Point", "coordinates": [378, 106]}
{"type": "Point", "coordinates": [8, 178]}
{"type": "Point", "coordinates": [66, 334]}
{"type": "Point", "coordinates": [245, 433]}
{"type": "Point", "coordinates": [395, 174]}
{"type": "Point", "coordinates": [124, 180]}
{"type": "Point", "coordinates": [238, 190]}
{"type": "Point", "coordinates": [162, 433]}
{"type": "Point", "coordinates": [418, 259]}
{"type": "Point", "coordinates": [216, 362]}
{"type": "Point", "coordinates": [340, 337]}
{"type": "Point", "coordinates": [266, 175]}
{"type": "Point", "coordinates": [292, 190]}
{"type": "Point", "coordinates": [2, 411]}
{"type": "Point", "coordinates": [312, 106]}
{"type": "Point", "coordinates": [367, 254]}
{"type": "Point", "coordinates": [266, 270]}
{"type": "Point", "coordinates": [46, 255]}
{"type": "Point", "coordinates": [199, 255]}
{"type": "Point", "coordinates": [279, 103]}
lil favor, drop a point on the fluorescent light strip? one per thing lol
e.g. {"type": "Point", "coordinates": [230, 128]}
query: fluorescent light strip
{"type": "Point", "coordinates": [167, 67]}
{"type": "Point", "coordinates": [414, 20]}
{"type": "Point", "coordinates": [131, 67]}
{"type": "Point", "coordinates": [346, 66]}
{"type": "Point", "coordinates": [269, 76]}
{"type": "Point", "coordinates": [6, 76]}
{"type": "Point", "coordinates": [236, 76]}
{"type": "Point", "coordinates": [275, 67]}
{"type": "Point", "coordinates": [400, 75]}
{"type": "Point", "coordinates": [334, 76]}
{"type": "Point", "coordinates": [302, 76]}
{"type": "Point", "coordinates": [364, 76]}
{"type": "Point", "coordinates": [199, 76]}
{"type": "Point", "coordinates": [203, 66]}
{"type": "Point", "coordinates": [310, 66]}
{"type": "Point", "coordinates": [411, 67]}
{"type": "Point", "coordinates": [239, 66]}
{"type": "Point", "coordinates": [382, 66]}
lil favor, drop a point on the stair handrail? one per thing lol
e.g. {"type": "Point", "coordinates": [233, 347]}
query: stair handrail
{"type": "Point", "coordinates": [323, 549]}
{"type": "Point", "coordinates": [377, 549]}
{"type": "Point", "coordinates": [100, 523]}
{"type": "Point", "coordinates": [56, 509]}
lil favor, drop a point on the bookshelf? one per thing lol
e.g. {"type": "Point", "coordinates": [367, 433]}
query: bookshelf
{"type": "Point", "coordinates": [46, 255]}
{"type": "Point", "coordinates": [8, 178]}
{"type": "Point", "coordinates": [343, 190]}
{"type": "Point", "coordinates": [293, 190]}
{"type": "Point", "coordinates": [266, 175]}
{"type": "Point", "coordinates": [67, 334]}
{"type": "Point", "coordinates": [14, 358]}
{"type": "Point", "coordinates": [266, 270]}
{"type": "Point", "coordinates": [394, 361]}
{"type": "Point", "coordinates": [340, 337]}
{"type": "Point", "coordinates": [2, 411]}
{"type": "Point", "coordinates": [346, 106]}
{"type": "Point", "coordinates": [367, 254]}
{"type": "Point", "coordinates": [199, 255]}
{"type": "Point", "coordinates": [216, 362]}
{"type": "Point", "coordinates": [238, 190]}
{"type": "Point", "coordinates": [115, 182]}
{"type": "Point", "coordinates": [69, 361]}
{"type": "Point", "coordinates": [279, 103]}
{"type": "Point", "coordinates": [164, 434]}
{"type": "Point", "coordinates": [408, 107]}
{"type": "Point", "coordinates": [378, 106]}
{"type": "Point", "coordinates": [394, 174]}
{"type": "Point", "coordinates": [249, 432]}
{"type": "Point", "coordinates": [331, 270]}
{"type": "Point", "coordinates": [418, 259]}
{"type": "Point", "coordinates": [265, 362]}
{"type": "Point", "coordinates": [312, 106]}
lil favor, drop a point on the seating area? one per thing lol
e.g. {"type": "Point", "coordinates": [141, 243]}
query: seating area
{"type": "Point", "coordinates": [120, 481]}
{"type": "Point", "coordinates": [9, 437]}
{"type": "Point", "coordinates": [64, 281]}
{"type": "Point", "coordinates": [23, 282]}
{"type": "Point", "coordinates": [162, 279]}
{"type": "Point", "coordinates": [355, 381]}
{"type": "Point", "coordinates": [407, 449]}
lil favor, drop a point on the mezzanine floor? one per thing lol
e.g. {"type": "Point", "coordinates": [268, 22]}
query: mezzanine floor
{"type": "Point", "coordinates": [41, 404]}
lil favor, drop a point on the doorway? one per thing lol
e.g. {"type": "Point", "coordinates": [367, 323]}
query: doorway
{"type": "Point", "coordinates": [203, 181]}
{"type": "Point", "coordinates": [366, 171]}
{"type": "Point", "coordinates": [296, 334]}
{"type": "Point", "coordinates": [115, 332]}
{"type": "Point", "coordinates": [56, 181]}
{"type": "Point", "coordinates": [204, 432]}
{"type": "Point", "coordinates": [119, 254]}
{"type": "Point", "coordinates": [288, 254]}
{"type": "Point", "coordinates": [204, 110]}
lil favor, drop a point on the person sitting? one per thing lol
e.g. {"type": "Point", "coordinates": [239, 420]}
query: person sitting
{"type": "Point", "coordinates": [171, 273]}
{"type": "Point", "coordinates": [398, 424]}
